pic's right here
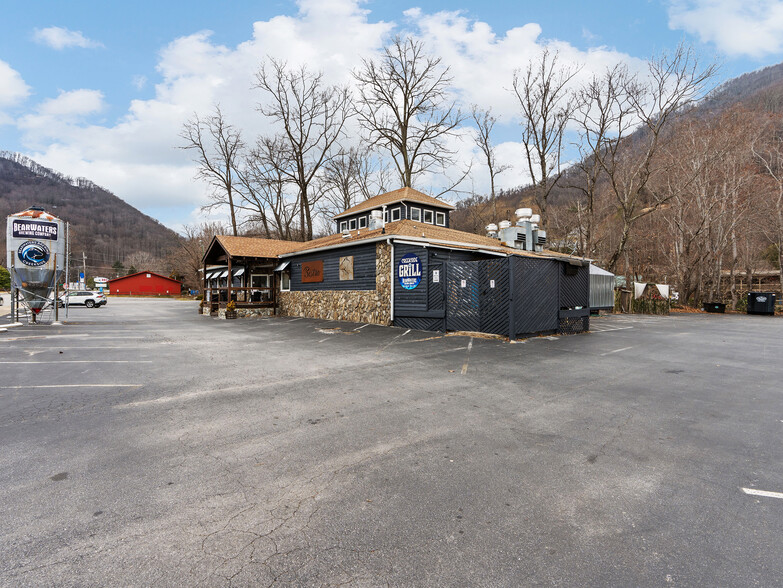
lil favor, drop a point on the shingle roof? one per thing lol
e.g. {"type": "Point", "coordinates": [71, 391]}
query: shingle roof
{"type": "Point", "coordinates": [395, 196]}
{"type": "Point", "coordinates": [416, 230]}
{"type": "Point", "coordinates": [257, 247]}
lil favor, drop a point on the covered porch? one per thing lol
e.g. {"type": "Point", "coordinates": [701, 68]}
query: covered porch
{"type": "Point", "coordinates": [242, 270]}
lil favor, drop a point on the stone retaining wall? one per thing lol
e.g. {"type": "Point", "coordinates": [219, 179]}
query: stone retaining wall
{"type": "Point", "coordinates": [360, 306]}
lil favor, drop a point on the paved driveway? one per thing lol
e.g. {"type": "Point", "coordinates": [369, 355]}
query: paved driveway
{"type": "Point", "coordinates": [145, 445]}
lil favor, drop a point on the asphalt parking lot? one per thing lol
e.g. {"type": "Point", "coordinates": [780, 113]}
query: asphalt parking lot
{"type": "Point", "coordinates": [145, 445]}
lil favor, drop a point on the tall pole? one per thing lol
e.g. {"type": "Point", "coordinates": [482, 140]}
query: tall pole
{"type": "Point", "coordinates": [56, 299]}
{"type": "Point", "coordinates": [84, 268]}
{"type": "Point", "coordinates": [13, 287]}
{"type": "Point", "coordinates": [67, 263]}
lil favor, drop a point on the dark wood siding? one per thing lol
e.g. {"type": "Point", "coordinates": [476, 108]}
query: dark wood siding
{"type": "Point", "coordinates": [404, 214]}
{"type": "Point", "coordinates": [410, 300]}
{"type": "Point", "coordinates": [422, 307]}
{"type": "Point", "coordinates": [363, 269]}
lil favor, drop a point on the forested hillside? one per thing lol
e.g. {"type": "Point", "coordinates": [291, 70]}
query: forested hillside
{"type": "Point", "coordinates": [704, 212]}
{"type": "Point", "coordinates": [104, 227]}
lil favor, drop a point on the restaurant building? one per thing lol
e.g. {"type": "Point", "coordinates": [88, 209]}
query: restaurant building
{"type": "Point", "coordinates": [395, 261]}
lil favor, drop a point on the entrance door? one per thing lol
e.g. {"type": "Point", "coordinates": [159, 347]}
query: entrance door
{"type": "Point", "coordinates": [436, 294]}
{"type": "Point", "coordinates": [463, 297]}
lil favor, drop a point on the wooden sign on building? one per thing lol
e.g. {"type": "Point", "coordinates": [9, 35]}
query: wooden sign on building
{"type": "Point", "coordinates": [346, 268]}
{"type": "Point", "coordinates": [312, 271]}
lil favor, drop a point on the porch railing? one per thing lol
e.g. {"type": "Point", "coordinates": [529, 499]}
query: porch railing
{"type": "Point", "coordinates": [244, 297]}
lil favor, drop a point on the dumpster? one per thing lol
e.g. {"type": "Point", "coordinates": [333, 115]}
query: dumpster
{"type": "Point", "coordinates": [714, 307]}
{"type": "Point", "coordinates": [761, 303]}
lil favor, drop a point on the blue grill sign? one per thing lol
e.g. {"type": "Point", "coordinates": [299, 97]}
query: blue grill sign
{"type": "Point", "coordinates": [409, 271]}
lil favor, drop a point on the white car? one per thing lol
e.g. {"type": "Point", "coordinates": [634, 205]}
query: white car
{"type": "Point", "coordinates": [85, 297]}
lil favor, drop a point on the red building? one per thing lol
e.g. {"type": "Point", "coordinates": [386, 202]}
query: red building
{"type": "Point", "coordinates": [145, 284]}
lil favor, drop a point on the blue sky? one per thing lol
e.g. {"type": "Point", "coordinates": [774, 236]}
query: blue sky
{"type": "Point", "coordinates": [100, 89]}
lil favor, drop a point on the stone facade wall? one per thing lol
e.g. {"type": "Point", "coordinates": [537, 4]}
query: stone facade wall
{"type": "Point", "coordinates": [360, 306]}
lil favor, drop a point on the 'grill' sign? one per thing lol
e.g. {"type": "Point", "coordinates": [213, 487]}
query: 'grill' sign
{"type": "Point", "coordinates": [409, 271]}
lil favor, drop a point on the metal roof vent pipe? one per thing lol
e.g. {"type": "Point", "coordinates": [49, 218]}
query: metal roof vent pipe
{"type": "Point", "coordinates": [492, 230]}
{"type": "Point", "coordinates": [376, 220]}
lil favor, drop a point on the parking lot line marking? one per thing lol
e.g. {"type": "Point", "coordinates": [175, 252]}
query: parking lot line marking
{"type": "Point", "coordinates": [82, 361]}
{"type": "Point", "coordinates": [766, 493]}
{"type": "Point", "coordinates": [359, 328]}
{"type": "Point", "coordinates": [60, 347]}
{"type": "Point", "coordinates": [392, 341]}
{"type": "Point", "coordinates": [467, 359]}
{"type": "Point", "coordinates": [617, 351]}
{"type": "Point", "coordinates": [71, 386]}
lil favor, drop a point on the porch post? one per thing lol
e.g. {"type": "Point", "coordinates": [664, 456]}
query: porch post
{"type": "Point", "coordinates": [230, 278]}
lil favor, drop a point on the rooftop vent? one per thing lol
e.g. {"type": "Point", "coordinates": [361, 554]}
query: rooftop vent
{"type": "Point", "coordinates": [492, 230]}
{"type": "Point", "coordinates": [376, 219]}
{"type": "Point", "coordinates": [525, 234]}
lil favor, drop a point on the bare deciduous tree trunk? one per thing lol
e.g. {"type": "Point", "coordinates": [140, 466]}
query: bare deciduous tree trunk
{"type": "Point", "coordinates": [218, 146]}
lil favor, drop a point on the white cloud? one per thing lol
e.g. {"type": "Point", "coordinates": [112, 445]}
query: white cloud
{"type": "Point", "coordinates": [137, 156]}
{"type": "Point", "coordinates": [61, 38]}
{"type": "Point", "coordinates": [13, 90]}
{"type": "Point", "coordinates": [736, 27]}
{"type": "Point", "coordinates": [139, 82]}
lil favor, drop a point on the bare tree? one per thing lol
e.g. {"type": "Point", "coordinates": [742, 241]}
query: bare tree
{"type": "Point", "coordinates": [603, 115]}
{"type": "Point", "coordinates": [546, 104]}
{"type": "Point", "coordinates": [265, 195]}
{"type": "Point", "coordinates": [404, 108]}
{"type": "Point", "coordinates": [218, 146]}
{"type": "Point", "coordinates": [485, 122]}
{"type": "Point", "coordinates": [312, 116]}
{"type": "Point", "coordinates": [674, 82]}
{"type": "Point", "coordinates": [769, 154]}
{"type": "Point", "coordinates": [186, 260]}
{"type": "Point", "coordinates": [347, 179]}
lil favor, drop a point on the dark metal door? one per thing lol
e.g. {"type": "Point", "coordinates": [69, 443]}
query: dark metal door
{"type": "Point", "coordinates": [463, 304]}
{"type": "Point", "coordinates": [436, 295]}
{"type": "Point", "coordinates": [494, 295]}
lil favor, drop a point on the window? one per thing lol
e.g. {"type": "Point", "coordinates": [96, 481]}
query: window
{"type": "Point", "coordinates": [415, 214]}
{"type": "Point", "coordinates": [343, 226]}
{"type": "Point", "coordinates": [352, 224]}
{"type": "Point", "coordinates": [440, 219]}
{"type": "Point", "coordinates": [260, 280]}
{"type": "Point", "coordinates": [285, 282]}
{"type": "Point", "coordinates": [428, 216]}
{"type": "Point", "coordinates": [396, 214]}
{"type": "Point", "coordinates": [362, 222]}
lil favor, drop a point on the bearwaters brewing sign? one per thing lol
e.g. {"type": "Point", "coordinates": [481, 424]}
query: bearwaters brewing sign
{"type": "Point", "coordinates": [33, 253]}
{"type": "Point", "coordinates": [33, 229]}
{"type": "Point", "coordinates": [409, 271]}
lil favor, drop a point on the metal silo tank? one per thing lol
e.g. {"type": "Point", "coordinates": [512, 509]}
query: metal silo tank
{"type": "Point", "coordinates": [36, 244]}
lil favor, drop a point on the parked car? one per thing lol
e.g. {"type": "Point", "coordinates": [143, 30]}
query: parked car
{"type": "Point", "coordinates": [85, 297]}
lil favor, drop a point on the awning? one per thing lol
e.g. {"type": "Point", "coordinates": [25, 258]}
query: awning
{"type": "Point", "coordinates": [282, 266]}
{"type": "Point", "coordinates": [238, 272]}
{"type": "Point", "coordinates": [223, 274]}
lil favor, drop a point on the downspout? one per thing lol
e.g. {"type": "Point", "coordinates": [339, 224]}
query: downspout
{"type": "Point", "coordinates": [391, 279]}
